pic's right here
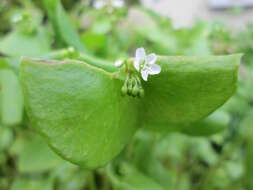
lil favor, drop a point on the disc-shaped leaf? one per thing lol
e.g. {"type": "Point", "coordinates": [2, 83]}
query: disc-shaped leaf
{"type": "Point", "coordinates": [79, 109]}
{"type": "Point", "coordinates": [188, 89]}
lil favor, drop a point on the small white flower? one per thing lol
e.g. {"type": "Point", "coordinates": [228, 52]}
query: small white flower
{"type": "Point", "coordinates": [118, 63]}
{"type": "Point", "coordinates": [118, 3]}
{"type": "Point", "coordinates": [99, 4]}
{"type": "Point", "coordinates": [146, 64]}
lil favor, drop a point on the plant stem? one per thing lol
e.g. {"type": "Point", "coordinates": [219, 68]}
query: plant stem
{"type": "Point", "coordinates": [103, 64]}
{"type": "Point", "coordinates": [90, 59]}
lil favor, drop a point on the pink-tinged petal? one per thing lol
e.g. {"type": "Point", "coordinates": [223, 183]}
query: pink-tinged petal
{"type": "Point", "coordinates": [144, 74]}
{"type": "Point", "coordinates": [154, 69]}
{"type": "Point", "coordinates": [140, 54]}
{"type": "Point", "coordinates": [151, 59]}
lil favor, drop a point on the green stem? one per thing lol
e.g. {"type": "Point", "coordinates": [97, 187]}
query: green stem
{"type": "Point", "coordinates": [61, 54]}
{"type": "Point", "coordinates": [72, 54]}
{"type": "Point", "coordinates": [103, 64]}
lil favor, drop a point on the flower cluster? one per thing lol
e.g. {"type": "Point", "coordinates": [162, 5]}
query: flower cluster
{"type": "Point", "coordinates": [143, 64]}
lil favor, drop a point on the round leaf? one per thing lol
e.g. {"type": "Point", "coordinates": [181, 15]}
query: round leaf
{"type": "Point", "coordinates": [188, 89]}
{"type": "Point", "coordinates": [79, 109]}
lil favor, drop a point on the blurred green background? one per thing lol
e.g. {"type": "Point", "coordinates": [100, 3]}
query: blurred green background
{"type": "Point", "coordinates": [195, 160]}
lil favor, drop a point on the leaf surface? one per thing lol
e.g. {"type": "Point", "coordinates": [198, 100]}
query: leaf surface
{"type": "Point", "coordinates": [188, 89]}
{"type": "Point", "coordinates": [11, 98]}
{"type": "Point", "coordinates": [18, 44]}
{"type": "Point", "coordinates": [79, 109]}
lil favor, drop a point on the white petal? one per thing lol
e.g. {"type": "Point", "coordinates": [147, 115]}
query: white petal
{"type": "Point", "coordinates": [151, 59]}
{"type": "Point", "coordinates": [154, 69]}
{"type": "Point", "coordinates": [140, 54]}
{"type": "Point", "coordinates": [144, 74]}
{"type": "Point", "coordinates": [118, 63]}
{"type": "Point", "coordinates": [137, 64]}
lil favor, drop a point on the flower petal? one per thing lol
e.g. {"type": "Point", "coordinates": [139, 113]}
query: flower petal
{"type": "Point", "coordinates": [139, 57]}
{"type": "Point", "coordinates": [137, 64]}
{"type": "Point", "coordinates": [140, 54]}
{"type": "Point", "coordinates": [144, 74]}
{"type": "Point", "coordinates": [151, 59]}
{"type": "Point", "coordinates": [154, 69]}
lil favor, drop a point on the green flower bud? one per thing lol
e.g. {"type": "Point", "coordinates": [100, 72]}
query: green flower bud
{"type": "Point", "coordinates": [141, 93]}
{"type": "Point", "coordinates": [135, 90]}
{"type": "Point", "coordinates": [124, 90]}
{"type": "Point", "coordinates": [130, 87]}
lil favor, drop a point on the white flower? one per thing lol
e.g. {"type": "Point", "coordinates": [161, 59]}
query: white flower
{"type": "Point", "coordinates": [118, 3]}
{"type": "Point", "coordinates": [146, 64]}
{"type": "Point", "coordinates": [99, 4]}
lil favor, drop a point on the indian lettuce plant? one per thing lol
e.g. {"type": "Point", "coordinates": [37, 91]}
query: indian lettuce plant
{"type": "Point", "coordinates": [128, 117]}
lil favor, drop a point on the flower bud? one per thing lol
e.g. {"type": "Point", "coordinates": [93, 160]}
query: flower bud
{"type": "Point", "coordinates": [124, 90]}
{"type": "Point", "coordinates": [130, 87]}
{"type": "Point", "coordinates": [141, 93]}
{"type": "Point", "coordinates": [135, 91]}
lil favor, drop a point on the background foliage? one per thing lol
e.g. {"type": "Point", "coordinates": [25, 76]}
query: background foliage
{"type": "Point", "coordinates": [156, 161]}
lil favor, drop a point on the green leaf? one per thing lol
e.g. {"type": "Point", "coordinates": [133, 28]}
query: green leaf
{"type": "Point", "coordinates": [201, 149]}
{"type": "Point", "coordinates": [102, 27]}
{"type": "Point", "coordinates": [79, 109]}
{"type": "Point", "coordinates": [214, 123]}
{"type": "Point", "coordinates": [32, 184]}
{"type": "Point", "coordinates": [36, 156]}
{"type": "Point", "coordinates": [18, 44]}
{"type": "Point", "coordinates": [95, 42]}
{"type": "Point", "coordinates": [62, 25]}
{"type": "Point", "coordinates": [11, 98]}
{"type": "Point", "coordinates": [6, 138]}
{"type": "Point", "coordinates": [188, 89]}
{"type": "Point", "coordinates": [69, 177]}
{"type": "Point", "coordinates": [131, 179]}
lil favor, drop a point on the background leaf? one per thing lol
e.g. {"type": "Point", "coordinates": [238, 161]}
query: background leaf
{"type": "Point", "coordinates": [62, 25]}
{"type": "Point", "coordinates": [11, 98]}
